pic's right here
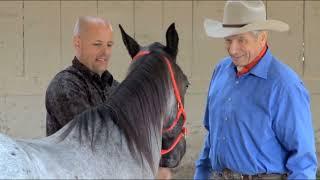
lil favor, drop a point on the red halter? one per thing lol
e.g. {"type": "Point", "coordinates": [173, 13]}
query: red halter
{"type": "Point", "coordinates": [179, 102]}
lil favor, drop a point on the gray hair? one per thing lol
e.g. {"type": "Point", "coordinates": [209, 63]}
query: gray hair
{"type": "Point", "coordinates": [256, 33]}
{"type": "Point", "coordinates": [81, 21]}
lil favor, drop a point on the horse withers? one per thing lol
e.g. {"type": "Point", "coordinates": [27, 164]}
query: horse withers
{"type": "Point", "coordinates": [140, 126]}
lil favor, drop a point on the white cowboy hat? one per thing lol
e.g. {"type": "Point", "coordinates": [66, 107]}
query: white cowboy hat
{"type": "Point", "coordinates": [240, 17]}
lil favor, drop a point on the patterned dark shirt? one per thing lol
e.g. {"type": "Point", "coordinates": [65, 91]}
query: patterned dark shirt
{"type": "Point", "coordinates": [74, 90]}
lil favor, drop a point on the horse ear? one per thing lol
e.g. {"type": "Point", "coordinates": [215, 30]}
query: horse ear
{"type": "Point", "coordinates": [172, 40]}
{"type": "Point", "coordinates": [132, 46]}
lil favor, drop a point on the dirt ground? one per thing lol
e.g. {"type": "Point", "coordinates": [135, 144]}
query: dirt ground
{"type": "Point", "coordinates": [183, 172]}
{"type": "Point", "coordinates": [185, 169]}
{"type": "Point", "coordinates": [194, 144]}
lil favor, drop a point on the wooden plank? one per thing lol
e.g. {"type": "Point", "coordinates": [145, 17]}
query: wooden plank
{"type": "Point", "coordinates": [311, 64]}
{"type": "Point", "coordinates": [3, 120]}
{"type": "Point", "coordinates": [287, 46]}
{"type": "Point", "coordinates": [148, 20]}
{"type": "Point", "coordinates": [312, 38]}
{"type": "Point", "coordinates": [70, 11]}
{"type": "Point", "coordinates": [118, 12]}
{"type": "Point", "coordinates": [28, 85]}
{"type": "Point", "coordinates": [313, 84]}
{"type": "Point", "coordinates": [29, 122]}
{"type": "Point", "coordinates": [315, 104]}
{"type": "Point", "coordinates": [41, 48]}
{"type": "Point", "coordinates": [11, 40]}
{"type": "Point", "coordinates": [2, 87]}
{"type": "Point", "coordinates": [42, 37]}
{"type": "Point", "coordinates": [207, 51]}
{"type": "Point", "coordinates": [180, 12]}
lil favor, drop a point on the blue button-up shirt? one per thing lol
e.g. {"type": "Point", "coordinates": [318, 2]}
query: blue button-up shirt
{"type": "Point", "coordinates": [258, 123]}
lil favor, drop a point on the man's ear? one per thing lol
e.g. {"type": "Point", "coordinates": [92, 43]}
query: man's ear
{"type": "Point", "coordinates": [76, 42]}
{"type": "Point", "coordinates": [263, 38]}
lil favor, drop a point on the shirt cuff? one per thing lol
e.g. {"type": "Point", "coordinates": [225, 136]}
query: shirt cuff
{"type": "Point", "coordinates": [202, 173]}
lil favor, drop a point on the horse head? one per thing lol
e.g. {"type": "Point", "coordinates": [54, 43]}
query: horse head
{"type": "Point", "coordinates": [173, 130]}
{"type": "Point", "coordinates": [139, 127]}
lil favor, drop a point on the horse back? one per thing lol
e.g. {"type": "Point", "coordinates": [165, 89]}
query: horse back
{"type": "Point", "coordinates": [14, 161]}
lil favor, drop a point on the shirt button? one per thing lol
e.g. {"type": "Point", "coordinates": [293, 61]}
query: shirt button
{"type": "Point", "coordinates": [229, 99]}
{"type": "Point", "coordinates": [237, 82]}
{"type": "Point", "coordinates": [223, 138]}
{"type": "Point", "coordinates": [226, 118]}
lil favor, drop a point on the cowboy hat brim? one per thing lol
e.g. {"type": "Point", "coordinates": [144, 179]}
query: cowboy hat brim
{"type": "Point", "coordinates": [215, 29]}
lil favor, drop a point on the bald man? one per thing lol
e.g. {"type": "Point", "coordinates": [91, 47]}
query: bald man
{"type": "Point", "coordinates": [87, 82]}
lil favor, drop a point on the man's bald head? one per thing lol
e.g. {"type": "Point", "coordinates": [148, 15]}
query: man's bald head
{"type": "Point", "coordinates": [93, 41]}
{"type": "Point", "coordinates": [83, 22]}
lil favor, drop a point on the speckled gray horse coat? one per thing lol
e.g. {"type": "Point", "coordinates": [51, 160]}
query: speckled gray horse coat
{"type": "Point", "coordinates": [119, 139]}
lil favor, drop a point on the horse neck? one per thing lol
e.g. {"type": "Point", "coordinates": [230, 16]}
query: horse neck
{"type": "Point", "coordinates": [84, 128]}
{"type": "Point", "coordinates": [141, 103]}
{"type": "Point", "coordinates": [138, 107]}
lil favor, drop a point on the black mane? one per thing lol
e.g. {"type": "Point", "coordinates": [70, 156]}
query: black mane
{"type": "Point", "coordinates": [140, 102]}
{"type": "Point", "coordinates": [135, 106]}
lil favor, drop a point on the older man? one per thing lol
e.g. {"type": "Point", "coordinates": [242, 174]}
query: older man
{"type": "Point", "coordinates": [258, 110]}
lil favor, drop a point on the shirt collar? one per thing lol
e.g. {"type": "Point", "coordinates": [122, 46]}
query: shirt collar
{"type": "Point", "coordinates": [255, 61]}
{"type": "Point", "coordinates": [261, 68]}
{"type": "Point", "coordinates": [106, 77]}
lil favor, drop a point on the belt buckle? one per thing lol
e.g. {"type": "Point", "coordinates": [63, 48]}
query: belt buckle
{"type": "Point", "coordinates": [246, 177]}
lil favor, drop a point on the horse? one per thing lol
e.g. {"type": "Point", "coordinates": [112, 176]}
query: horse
{"type": "Point", "coordinates": [140, 127]}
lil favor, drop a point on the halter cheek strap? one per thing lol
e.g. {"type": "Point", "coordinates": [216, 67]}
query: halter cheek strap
{"type": "Point", "coordinates": [181, 110]}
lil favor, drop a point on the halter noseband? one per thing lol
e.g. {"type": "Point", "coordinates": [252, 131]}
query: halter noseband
{"type": "Point", "coordinates": [181, 110]}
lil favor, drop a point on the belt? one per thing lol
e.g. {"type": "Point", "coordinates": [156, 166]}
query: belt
{"type": "Point", "coordinates": [265, 176]}
{"type": "Point", "coordinates": [228, 174]}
